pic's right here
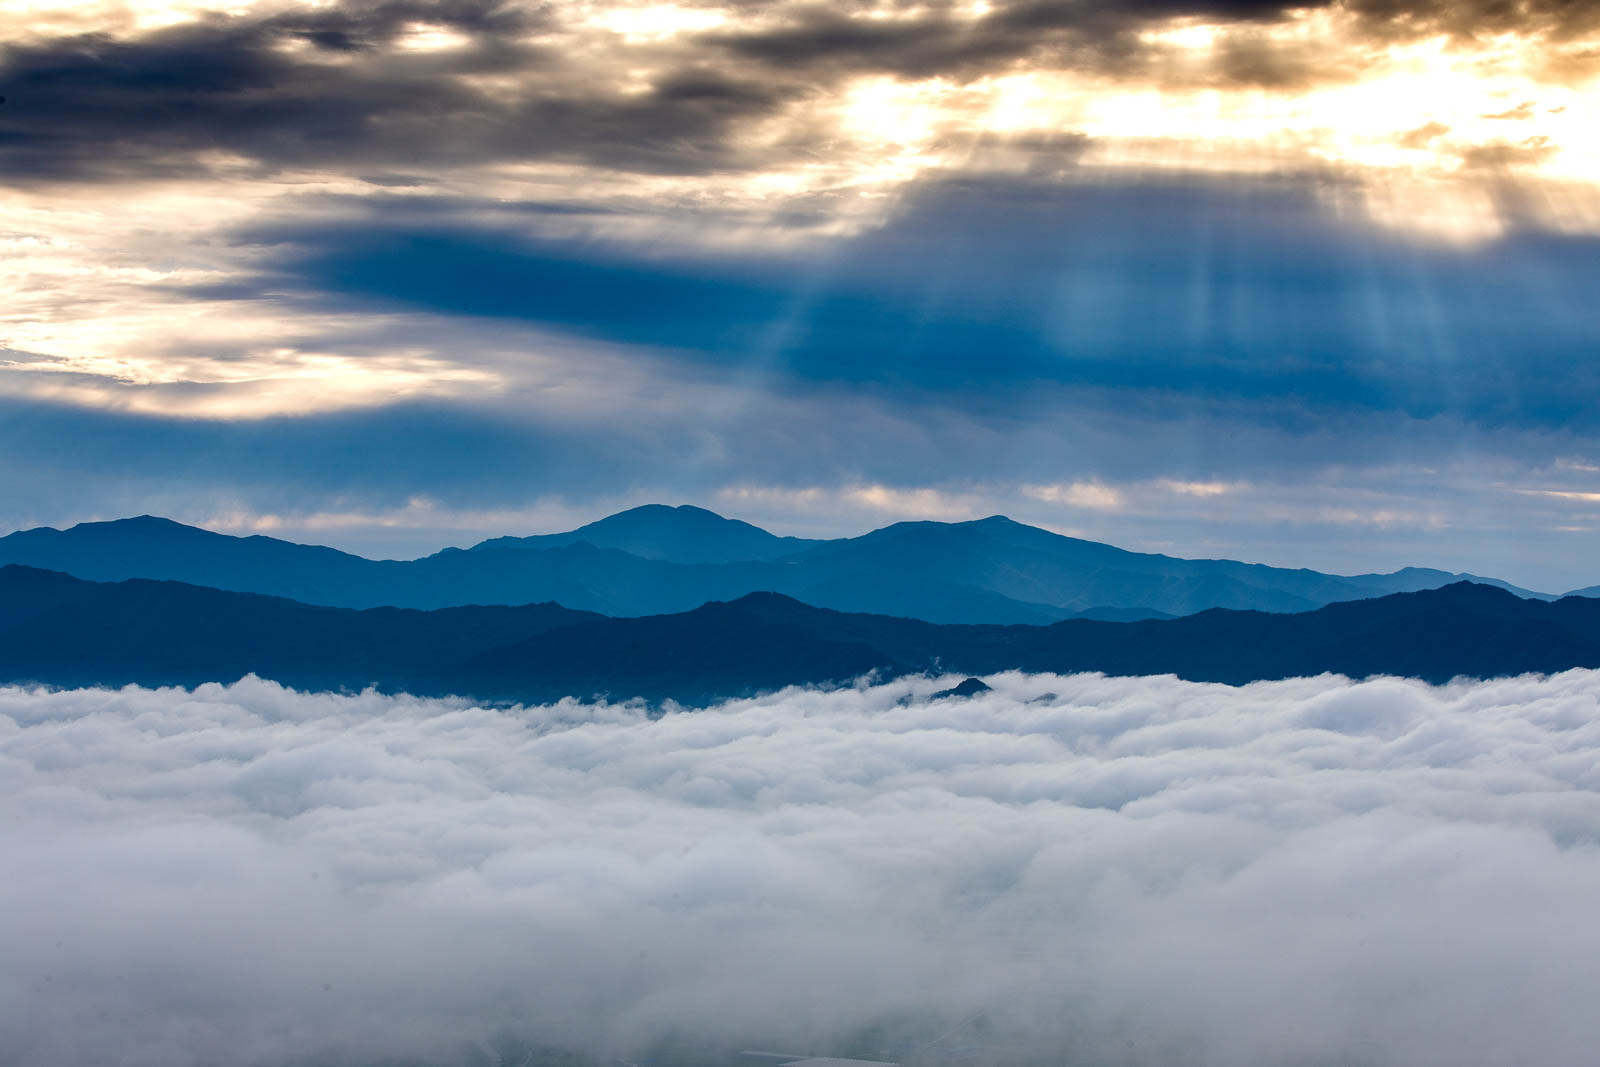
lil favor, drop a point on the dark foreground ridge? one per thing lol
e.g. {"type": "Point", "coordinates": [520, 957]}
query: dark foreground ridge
{"type": "Point", "coordinates": [62, 631]}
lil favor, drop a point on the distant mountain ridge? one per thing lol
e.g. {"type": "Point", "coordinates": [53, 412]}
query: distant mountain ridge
{"type": "Point", "coordinates": [657, 559]}
{"type": "Point", "coordinates": [682, 534]}
{"type": "Point", "coordinates": [59, 630]}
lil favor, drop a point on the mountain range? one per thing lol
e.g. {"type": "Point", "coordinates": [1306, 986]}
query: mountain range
{"type": "Point", "coordinates": [60, 630]}
{"type": "Point", "coordinates": [657, 559]}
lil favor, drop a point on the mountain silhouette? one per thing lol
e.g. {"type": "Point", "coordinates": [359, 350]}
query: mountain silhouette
{"type": "Point", "coordinates": [967, 687]}
{"type": "Point", "coordinates": [59, 630]}
{"type": "Point", "coordinates": [660, 560]}
{"type": "Point", "coordinates": [65, 631]}
{"type": "Point", "coordinates": [683, 534]}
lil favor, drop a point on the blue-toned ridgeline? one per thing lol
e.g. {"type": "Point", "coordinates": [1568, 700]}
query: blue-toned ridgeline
{"type": "Point", "coordinates": [58, 630]}
{"type": "Point", "coordinates": [656, 559]}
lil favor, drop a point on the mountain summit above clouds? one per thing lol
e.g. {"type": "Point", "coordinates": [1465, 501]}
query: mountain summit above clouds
{"type": "Point", "coordinates": [657, 559]}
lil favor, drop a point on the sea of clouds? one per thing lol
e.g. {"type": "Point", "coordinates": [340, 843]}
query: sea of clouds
{"type": "Point", "coordinates": [1066, 870]}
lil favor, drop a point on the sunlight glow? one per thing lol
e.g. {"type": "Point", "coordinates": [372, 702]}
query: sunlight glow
{"type": "Point", "coordinates": [426, 37]}
{"type": "Point", "coordinates": [1093, 496]}
{"type": "Point", "coordinates": [1200, 489]}
{"type": "Point", "coordinates": [1445, 116]}
{"type": "Point", "coordinates": [1185, 34]}
{"type": "Point", "coordinates": [21, 18]}
{"type": "Point", "coordinates": [255, 384]}
{"type": "Point", "coordinates": [653, 22]}
{"type": "Point", "coordinates": [1430, 127]}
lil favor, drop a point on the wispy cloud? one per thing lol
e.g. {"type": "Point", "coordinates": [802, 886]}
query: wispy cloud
{"type": "Point", "coordinates": [1093, 496]}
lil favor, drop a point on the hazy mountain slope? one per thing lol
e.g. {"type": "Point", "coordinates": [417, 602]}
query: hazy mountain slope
{"type": "Point", "coordinates": [1413, 579]}
{"type": "Point", "coordinates": [578, 575]}
{"type": "Point", "coordinates": [1041, 567]}
{"type": "Point", "coordinates": [1033, 565]}
{"type": "Point", "coordinates": [60, 630]}
{"type": "Point", "coordinates": [151, 547]}
{"type": "Point", "coordinates": [992, 570]}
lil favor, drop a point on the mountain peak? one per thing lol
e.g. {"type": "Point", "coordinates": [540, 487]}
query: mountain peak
{"type": "Point", "coordinates": [969, 687]}
{"type": "Point", "coordinates": [673, 514]}
{"type": "Point", "coordinates": [766, 601]}
{"type": "Point", "coordinates": [662, 510]}
{"type": "Point", "coordinates": [680, 533]}
{"type": "Point", "coordinates": [133, 522]}
{"type": "Point", "coordinates": [136, 527]}
{"type": "Point", "coordinates": [1473, 591]}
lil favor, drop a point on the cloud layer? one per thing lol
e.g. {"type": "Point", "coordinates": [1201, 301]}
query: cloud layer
{"type": "Point", "coordinates": [391, 87]}
{"type": "Point", "coordinates": [1077, 869]}
{"type": "Point", "coordinates": [307, 264]}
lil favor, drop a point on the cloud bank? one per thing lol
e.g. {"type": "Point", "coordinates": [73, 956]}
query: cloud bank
{"type": "Point", "coordinates": [388, 88]}
{"type": "Point", "coordinates": [1067, 869]}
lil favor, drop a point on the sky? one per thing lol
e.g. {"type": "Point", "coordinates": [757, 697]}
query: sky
{"type": "Point", "coordinates": [1309, 285]}
{"type": "Point", "coordinates": [1063, 870]}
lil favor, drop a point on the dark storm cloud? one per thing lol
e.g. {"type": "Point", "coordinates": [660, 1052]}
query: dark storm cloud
{"type": "Point", "coordinates": [99, 107]}
{"type": "Point", "coordinates": [103, 106]}
{"type": "Point", "coordinates": [1103, 36]}
{"type": "Point", "coordinates": [1559, 19]}
{"type": "Point", "coordinates": [349, 96]}
{"type": "Point", "coordinates": [1186, 294]}
{"type": "Point", "coordinates": [944, 42]}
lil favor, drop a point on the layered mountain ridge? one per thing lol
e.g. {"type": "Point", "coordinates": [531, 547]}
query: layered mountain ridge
{"type": "Point", "coordinates": [63, 631]}
{"type": "Point", "coordinates": [660, 560]}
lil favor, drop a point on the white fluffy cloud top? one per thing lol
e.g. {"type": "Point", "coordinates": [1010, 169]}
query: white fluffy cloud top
{"type": "Point", "coordinates": [1065, 870]}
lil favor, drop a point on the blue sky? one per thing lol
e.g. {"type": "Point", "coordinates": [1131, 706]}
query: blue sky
{"type": "Point", "coordinates": [1308, 285]}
